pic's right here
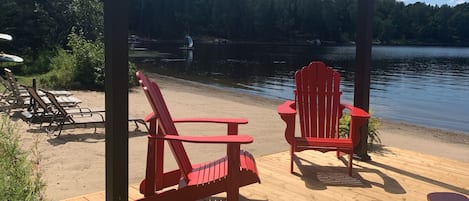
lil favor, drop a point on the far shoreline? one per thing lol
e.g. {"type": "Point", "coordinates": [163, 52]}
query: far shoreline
{"type": "Point", "coordinates": [302, 42]}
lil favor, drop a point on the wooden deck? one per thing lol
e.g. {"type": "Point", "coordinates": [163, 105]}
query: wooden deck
{"type": "Point", "coordinates": [394, 174]}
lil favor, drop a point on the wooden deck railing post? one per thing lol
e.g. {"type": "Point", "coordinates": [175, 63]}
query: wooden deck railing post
{"type": "Point", "coordinates": [362, 69]}
{"type": "Point", "coordinates": [116, 98]}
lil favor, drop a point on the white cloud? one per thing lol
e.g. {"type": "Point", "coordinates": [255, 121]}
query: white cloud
{"type": "Point", "coordinates": [455, 2]}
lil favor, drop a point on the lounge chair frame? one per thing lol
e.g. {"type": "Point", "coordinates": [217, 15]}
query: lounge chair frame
{"type": "Point", "coordinates": [62, 117]}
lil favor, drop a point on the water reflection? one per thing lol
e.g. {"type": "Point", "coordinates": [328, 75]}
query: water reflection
{"type": "Point", "coordinates": [423, 85]}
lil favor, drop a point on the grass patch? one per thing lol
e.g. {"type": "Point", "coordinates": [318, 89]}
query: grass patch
{"type": "Point", "coordinates": [20, 178]}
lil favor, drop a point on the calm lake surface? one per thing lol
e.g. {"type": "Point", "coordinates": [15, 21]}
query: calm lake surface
{"type": "Point", "coordinates": [421, 85]}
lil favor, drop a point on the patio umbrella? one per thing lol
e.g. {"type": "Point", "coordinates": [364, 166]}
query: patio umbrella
{"type": "Point", "coordinates": [5, 37]}
{"type": "Point", "coordinates": [10, 58]}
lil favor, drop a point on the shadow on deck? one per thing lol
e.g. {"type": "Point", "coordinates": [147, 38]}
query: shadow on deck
{"type": "Point", "coordinates": [394, 174]}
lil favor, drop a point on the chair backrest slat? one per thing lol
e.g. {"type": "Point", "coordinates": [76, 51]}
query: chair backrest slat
{"type": "Point", "coordinates": [321, 96]}
{"type": "Point", "coordinates": [14, 87]}
{"type": "Point", "coordinates": [56, 103]}
{"type": "Point", "coordinates": [318, 100]}
{"type": "Point", "coordinates": [166, 123]}
{"type": "Point", "coordinates": [37, 99]}
{"type": "Point", "coordinates": [336, 106]}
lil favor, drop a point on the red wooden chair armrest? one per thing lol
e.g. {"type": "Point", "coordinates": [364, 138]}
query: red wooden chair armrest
{"type": "Point", "coordinates": [355, 111]}
{"type": "Point", "coordinates": [287, 108]}
{"type": "Point", "coordinates": [287, 112]}
{"type": "Point", "coordinates": [149, 117]}
{"type": "Point", "coordinates": [232, 123]}
{"type": "Point", "coordinates": [223, 139]}
{"type": "Point", "coordinates": [211, 120]}
{"type": "Point", "coordinates": [152, 116]}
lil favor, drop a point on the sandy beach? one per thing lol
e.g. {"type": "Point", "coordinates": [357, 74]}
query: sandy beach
{"type": "Point", "coordinates": [73, 164]}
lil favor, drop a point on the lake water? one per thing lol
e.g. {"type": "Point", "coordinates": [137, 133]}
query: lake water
{"type": "Point", "coordinates": [422, 85]}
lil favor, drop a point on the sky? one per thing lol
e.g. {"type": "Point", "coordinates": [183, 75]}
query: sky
{"type": "Point", "coordinates": [437, 2]}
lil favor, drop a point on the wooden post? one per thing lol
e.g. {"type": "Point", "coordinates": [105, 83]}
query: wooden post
{"type": "Point", "coordinates": [32, 102]}
{"type": "Point", "coordinates": [362, 69]}
{"type": "Point", "coordinates": [116, 98]}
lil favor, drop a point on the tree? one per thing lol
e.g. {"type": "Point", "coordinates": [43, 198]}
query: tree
{"type": "Point", "coordinates": [460, 23]}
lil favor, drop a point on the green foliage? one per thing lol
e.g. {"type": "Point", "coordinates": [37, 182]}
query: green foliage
{"type": "Point", "coordinates": [62, 72]}
{"type": "Point", "coordinates": [43, 29]}
{"type": "Point", "coordinates": [36, 64]}
{"type": "Point", "coordinates": [88, 18]}
{"type": "Point", "coordinates": [373, 124]}
{"type": "Point", "coordinates": [80, 68]}
{"type": "Point", "coordinates": [132, 76]}
{"type": "Point", "coordinates": [344, 125]}
{"type": "Point", "coordinates": [373, 133]}
{"type": "Point", "coordinates": [88, 57]}
{"type": "Point", "coordinates": [89, 61]}
{"type": "Point", "coordinates": [41, 25]}
{"type": "Point", "coordinates": [19, 177]}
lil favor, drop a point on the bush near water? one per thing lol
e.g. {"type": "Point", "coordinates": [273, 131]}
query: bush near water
{"type": "Point", "coordinates": [82, 67]}
{"type": "Point", "coordinates": [60, 41]}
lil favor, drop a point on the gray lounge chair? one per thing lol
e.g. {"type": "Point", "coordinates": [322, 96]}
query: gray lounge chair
{"type": "Point", "coordinates": [18, 97]}
{"type": "Point", "coordinates": [11, 84]}
{"type": "Point", "coordinates": [42, 109]}
{"type": "Point", "coordinates": [63, 118]}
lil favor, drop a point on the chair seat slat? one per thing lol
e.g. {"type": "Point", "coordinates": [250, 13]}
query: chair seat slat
{"type": "Point", "coordinates": [208, 170]}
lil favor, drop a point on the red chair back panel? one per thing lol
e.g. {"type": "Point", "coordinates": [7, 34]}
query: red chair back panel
{"type": "Point", "coordinates": [318, 100]}
{"type": "Point", "coordinates": [166, 123]}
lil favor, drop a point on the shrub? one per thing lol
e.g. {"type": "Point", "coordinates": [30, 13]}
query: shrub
{"type": "Point", "coordinates": [19, 177]}
{"type": "Point", "coordinates": [89, 57]}
{"type": "Point", "coordinates": [132, 76]}
{"type": "Point", "coordinates": [35, 64]}
{"type": "Point", "coordinates": [62, 71]}
{"type": "Point", "coordinates": [373, 124]}
{"type": "Point", "coordinates": [82, 67]}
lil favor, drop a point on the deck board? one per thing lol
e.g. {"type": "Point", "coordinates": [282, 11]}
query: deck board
{"type": "Point", "coordinates": [394, 174]}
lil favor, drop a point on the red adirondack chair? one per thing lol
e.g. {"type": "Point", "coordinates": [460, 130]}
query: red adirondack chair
{"type": "Point", "coordinates": [198, 181]}
{"type": "Point", "coordinates": [317, 99]}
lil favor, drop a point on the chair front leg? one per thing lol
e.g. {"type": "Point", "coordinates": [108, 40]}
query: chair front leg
{"type": "Point", "coordinates": [292, 155]}
{"type": "Point", "coordinates": [61, 126]}
{"type": "Point", "coordinates": [232, 190]}
{"type": "Point", "coordinates": [149, 185]}
{"type": "Point", "coordinates": [350, 164]}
